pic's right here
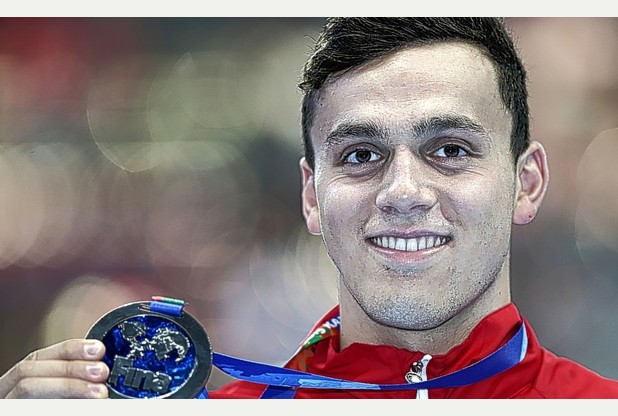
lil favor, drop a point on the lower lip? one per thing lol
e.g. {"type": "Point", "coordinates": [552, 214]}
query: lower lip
{"type": "Point", "coordinates": [399, 256]}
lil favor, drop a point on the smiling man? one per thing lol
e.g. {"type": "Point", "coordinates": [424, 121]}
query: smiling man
{"type": "Point", "coordinates": [417, 164]}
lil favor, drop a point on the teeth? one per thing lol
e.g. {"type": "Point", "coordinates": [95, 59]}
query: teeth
{"type": "Point", "coordinates": [422, 243]}
{"type": "Point", "coordinates": [409, 244]}
{"type": "Point", "coordinates": [400, 244]}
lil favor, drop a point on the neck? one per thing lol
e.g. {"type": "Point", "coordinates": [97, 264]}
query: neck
{"type": "Point", "coordinates": [358, 327]}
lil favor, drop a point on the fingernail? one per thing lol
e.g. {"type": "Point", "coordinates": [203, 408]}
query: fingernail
{"type": "Point", "coordinates": [95, 369]}
{"type": "Point", "coordinates": [96, 390]}
{"type": "Point", "coordinates": [92, 348]}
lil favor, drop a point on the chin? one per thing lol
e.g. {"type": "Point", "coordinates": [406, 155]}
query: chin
{"type": "Point", "coordinates": [402, 316]}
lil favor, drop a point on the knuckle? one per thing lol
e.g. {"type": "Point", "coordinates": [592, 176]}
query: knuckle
{"type": "Point", "coordinates": [33, 356]}
{"type": "Point", "coordinates": [23, 388]}
{"type": "Point", "coordinates": [22, 369]}
{"type": "Point", "coordinates": [75, 388]}
{"type": "Point", "coordinates": [67, 369]}
{"type": "Point", "coordinates": [68, 348]}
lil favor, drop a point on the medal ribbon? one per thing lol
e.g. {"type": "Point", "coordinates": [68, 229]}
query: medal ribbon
{"type": "Point", "coordinates": [282, 382]}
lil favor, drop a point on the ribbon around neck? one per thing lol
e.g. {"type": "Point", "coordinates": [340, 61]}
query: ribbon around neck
{"type": "Point", "coordinates": [281, 380]}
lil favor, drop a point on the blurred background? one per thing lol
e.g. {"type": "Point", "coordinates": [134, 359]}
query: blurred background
{"type": "Point", "coordinates": [159, 156]}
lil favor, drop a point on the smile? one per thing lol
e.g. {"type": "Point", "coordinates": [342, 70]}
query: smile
{"type": "Point", "coordinates": [409, 244]}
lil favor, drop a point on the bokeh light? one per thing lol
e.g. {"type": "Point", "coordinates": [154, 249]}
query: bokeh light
{"type": "Point", "coordinates": [597, 213]}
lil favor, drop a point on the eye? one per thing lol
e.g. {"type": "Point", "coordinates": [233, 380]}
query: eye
{"type": "Point", "coordinates": [362, 156]}
{"type": "Point", "coordinates": [450, 151]}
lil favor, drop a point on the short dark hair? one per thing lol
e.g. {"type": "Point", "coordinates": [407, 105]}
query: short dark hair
{"type": "Point", "coordinates": [346, 43]}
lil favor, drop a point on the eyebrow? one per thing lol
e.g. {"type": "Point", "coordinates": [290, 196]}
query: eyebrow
{"type": "Point", "coordinates": [426, 127]}
{"type": "Point", "coordinates": [435, 125]}
{"type": "Point", "coordinates": [366, 129]}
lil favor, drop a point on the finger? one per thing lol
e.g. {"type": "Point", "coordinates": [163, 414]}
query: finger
{"type": "Point", "coordinates": [88, 371]}
{"type": "Point", "coordinates": [57, 388]}
{"type": "Point", "coordinates": [93, 371]}
{"type": "Point", "coordinates": [73, 349]}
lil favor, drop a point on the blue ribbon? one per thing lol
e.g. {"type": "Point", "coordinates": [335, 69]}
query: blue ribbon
{"type": "Point", "coordinates": [282, 382]}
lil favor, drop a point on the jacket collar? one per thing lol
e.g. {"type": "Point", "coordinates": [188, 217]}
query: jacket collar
{"type": "Point", "coordinates": [320, 353]}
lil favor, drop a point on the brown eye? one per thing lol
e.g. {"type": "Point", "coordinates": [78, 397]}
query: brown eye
{"type": "Point", "coordinates": [451, 150]}
{"type": "Point", "coordinates": [362, 156]}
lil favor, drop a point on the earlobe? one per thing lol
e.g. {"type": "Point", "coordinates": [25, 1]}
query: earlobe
{"type": "Point", "coordinates": [532, 180]}
{"type": "Point", "coordinates": [309, 200]}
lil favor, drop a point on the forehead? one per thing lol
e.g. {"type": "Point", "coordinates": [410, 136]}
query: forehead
{"type": "Point", "coordinates": [413, 84]}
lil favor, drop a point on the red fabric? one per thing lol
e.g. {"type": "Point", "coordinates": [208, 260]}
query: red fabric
{"type": "Point", "coordinates": [540, 375]}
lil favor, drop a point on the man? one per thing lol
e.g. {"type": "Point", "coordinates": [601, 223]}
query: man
{"type": "Point", "coordinates": [417, 163]}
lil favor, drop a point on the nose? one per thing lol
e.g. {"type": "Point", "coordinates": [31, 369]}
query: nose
{"type": "Point", "coordinates": [405, 185]}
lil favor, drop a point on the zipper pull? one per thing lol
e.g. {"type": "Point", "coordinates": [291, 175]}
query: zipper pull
{"type": "Point", "coordinates": [415, 375]}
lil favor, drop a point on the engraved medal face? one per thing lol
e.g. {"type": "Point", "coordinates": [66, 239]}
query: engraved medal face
{"type": "Point", "coordinates": [152, 354]}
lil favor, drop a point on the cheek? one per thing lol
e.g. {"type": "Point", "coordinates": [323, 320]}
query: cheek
{"type": "Point", "coordinates": [479, 200]}
{"type": "Point", "coordinates": [343, 207]}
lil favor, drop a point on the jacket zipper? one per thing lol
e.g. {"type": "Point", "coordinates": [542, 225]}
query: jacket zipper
{"type": "Point", "coordinates": [418, 373]}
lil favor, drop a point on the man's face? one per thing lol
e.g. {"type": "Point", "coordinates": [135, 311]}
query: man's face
{"type": "Point", "coordinates": [414, 183]}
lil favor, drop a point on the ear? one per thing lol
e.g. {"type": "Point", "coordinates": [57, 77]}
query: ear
{"type": "Point", "coordinates": [531, 185]}
{"type": "Point", "coordinates": [309, 200]}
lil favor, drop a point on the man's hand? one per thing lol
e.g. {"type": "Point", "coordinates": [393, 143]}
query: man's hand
{"type": "Point", "coordinates": [68, 370]}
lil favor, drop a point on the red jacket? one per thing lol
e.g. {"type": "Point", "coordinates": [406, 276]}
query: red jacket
{"type": "Point", "coordinates": [541, 374]}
